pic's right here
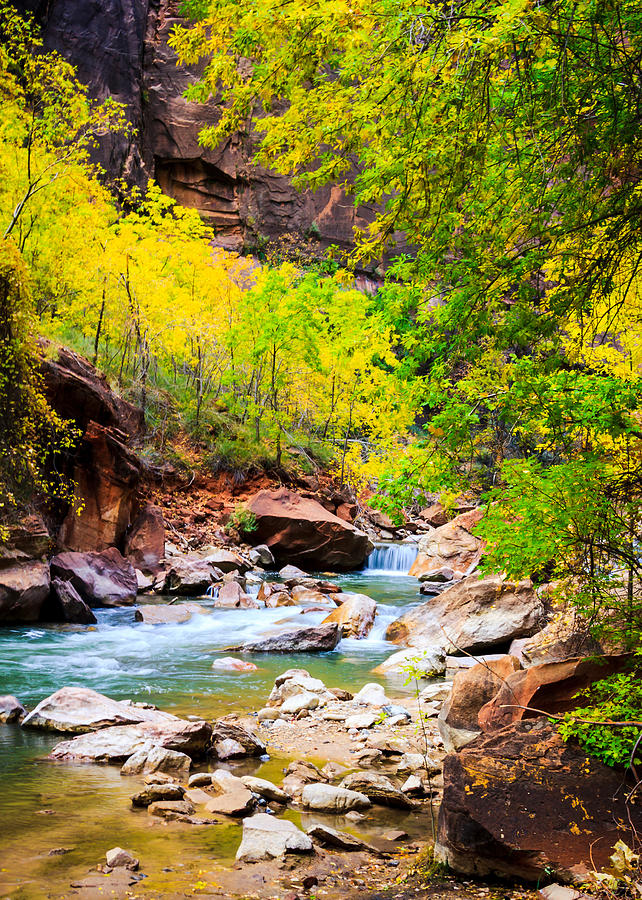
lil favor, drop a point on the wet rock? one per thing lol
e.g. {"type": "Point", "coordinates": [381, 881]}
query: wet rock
{"type": "Point", "coordinates": [249, 743]}
{"type": "Point", "coordinates": [24, 589]}
{"type": "Point", "coordinates": [118, 858]}
{"type": "Point", "coordinates": [310, 597]}
{"type": "Point", "coordinates": [75, 709]}
{"type": "Point", "coordinates": [274, 596]}
{"type": "Point", "coordinates": [174, 614]}
{"type": "Point", "coordinates": [339, 840]}
{"type": "Point", "coordinates": [473, 615]}
{"type": "Point", "coordinates": [289, 573]}
{"type": "Point", "coordinates": [472, 688]}
{"type": "Point", "coordinates": [299, 530]}
{"type": "Point", "coordinates": [116, 744]}
{"type": "Point", "coordinates": [317, 639]}
{"type": "Point", "coordinates": [155, 792]}
{"type": "Point", "coordinates": [265, 789]}
{"type": "Point", "coordinates": [261, 555]}
{"type": "Point", "coordinates": [356, 615]}
{"type": "Point", "coordinates": [451, 546]}
{"type": "Point", "coordinates": [190, 575]}
{"type": "Point", "coordinates": [66, 605]}
{"type": "Point", "coordinates": [425, 663]}
{"type": "Point", "coordinates": [232, 596]}
{"type": "Point", "coordinates": [234, 798]}
{"type": "Point", "coordinates": [327, 798]}
{"type": "Point", "coordinates": [230, 664]}
{"type": "Point", "coordinates": [158, 760]}
{"type": "Point", "coordinates": [145, 542]}
{"type": "Point", "coordinates": [101, 579]}
{"type": "Point", "coordinates": [266, 837]}
{"type": "Point", "coordinates": [11, 709]}
{"type": "Point", "coordinates": [171, 809]}
{"type": "Point", "coordinates": [522, 803]}
{"type": "Point", "coordinates": [377, 788]}
{"type": "Point", "coordinates": [200, 779]}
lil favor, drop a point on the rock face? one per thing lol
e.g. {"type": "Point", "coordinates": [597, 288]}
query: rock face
{"type": "Point", "coordinates": [24, 589]}
{"type": "Point", "coordinates": [549, 687]}
{"type": "Point", "coordinates": [265, 837]}
{"type": "Point", "coordinates": [74, 709]}
{"type": "Point", "coordinates": [472, 688]}
{"type": "Point", "coordinates": [101, 579]}
{"type": "Point", "coordinates": [356, 615]}
{"type": "Point", "coordinates": [299, 530]}
{"type": "Point", "coordinates": [145, 542]}
{"type": "Point", "coordinates": [474, 615]}
{"type": "Point", "coordinates": [317, 639]}
{"type": "Point", "coordinates": [523, 803]}
{"type": "Point", "coordinates": [452, 546]}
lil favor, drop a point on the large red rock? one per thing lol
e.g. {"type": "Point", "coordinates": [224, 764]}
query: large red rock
{"type": "Point", "coordinates": [24, 589]}
{"type": "Point", "coordinates": [299, 530]}
{"type": "Point", "coordinates": [550, 687]}
{"type": "Point", "coordinates": [522, 803]}
{"type": "Point", "coordinates": [101, 579]}
{"type": "Point", "coordinates": [145, 542]}
{"type": "Point", "coordinates": [452, 546]}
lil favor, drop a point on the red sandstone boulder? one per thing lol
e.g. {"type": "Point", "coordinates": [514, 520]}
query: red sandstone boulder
{"type": "Point", "coordinates": [299, 530]}
{"type": "Point", "coordinates": [452, 546]}
{"type": "Point", "coordinates": [24, 589]}
{"type": "Point", "coordinates": [101, 579]}
{"type": "Point", "coordinates": [550, 687]}
{"type": "Point", "coordinates": [522, 803]}
{"type": "Point", "coordinates": [145, 542]}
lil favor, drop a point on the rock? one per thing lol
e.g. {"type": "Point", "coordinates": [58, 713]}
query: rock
{"type": "Point", "coordinates": [66, 605]}
{"type": "Point", "coordinates": [311, 597]}
{"type": "Point", "coordinates": [171, 809]}
{"type": "Point", "coordinates": [229, 749]}
{"type": "Point", "coordinates": [327, 798]}
{"type": "Point", "coordinates": [29, 537]}
{"type": "Point", "coordinates": [265, 789]}
{"type": "Point", "coordinates": [339, 840]}
{"type": "Point", "coordinates": [428, 763]}
{"type": "Point", "coordinates": [371, 694]}
{"type": "Point", "coordinates": [11, 709]}
{"type": "Point", "coordinates": [166, 614]}
{"type": "Point", "coordinates": [340, 694]}
{"type": "Point", "coordinates": [377, 788]}
{"type": "Point", "coordinates": [275, 595]}
{"type": "Point", "coordinates": [298, 681]}
{"type": "Point", "coordinates": [295, 704]}
{"type": "Point", "coordinates": [145, 542]}
{"type": "Point", "coordinates": [559, 892]}
{"type": "Point", "coordinates": [116, 744]}
{"type": "Point", "coordinates": [230, 595]}
{"type": "Point", "coordinates": [117, 858]}
{"type": "Point", "coordinates": [314, 639]}
{"type": "Point", "coordinates": [266, 837]}
{"type": "Point", "coordinates": [299, 774]}
{"type": "Point", "coordinates": [299, 530]}
{"type": "Point", "coordinates": [24, 589]}
{"type": "Point", "coordinates": [230, 664]}
{"type": "Point", "coordinates": [158, 760]}
{"type": "Point", "coordinates": [234, 798]}
{"type": "Point", "coordinates": [436, 515]}
{"type": "Point", "coordinates": [250, 744]}
{"type": "Point", "coordinates": [190, 575]}
{"type": "Point", "coordinates": [391, 746]}
{"type": "Point", "coordinates": [549, 687]}
{"type": "Point", "coordinates": [268, 714]}
{"type": "Point", "coordinates": [261, 554]}
{"type": "Point", "coordinates": [438, 691]}
{"type": "Point", "coordinates": [200, 779]}
{"type": "Point", "coordinates": [224, 560]}
{"type": "Point", "coordinates": [413, 785]}
{"type": "Point", "coordinates": [474, 615]}
{"type": "Point", "coordinates": [362, 720]}
{"type": "Point", "coordinates": [440, 576]}
{"type": "Point", "coordinates": [472, 689]}
{"type": "Point", "coordinates": [155, 792]}
{"type": "Point", "coordinates": [424, 664]}
{"type": "Point", "coordinates": [451, 546]}
{"type": "Point", "coordinates": [293, 574]}
{"type": "Point", "coordinates": [522, 803]}
{"type": "Point", "coordinates": [77, 710]}
{"type": "Point", "coordinates": [566, 635]}
{"type": "Point", "coordinates": [101, 579]}
{"type": "Point", "coordinates": [356, 615]}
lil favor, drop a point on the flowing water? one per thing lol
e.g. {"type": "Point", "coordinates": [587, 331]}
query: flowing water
{"type": "Point", "coordinates": [48, 806]}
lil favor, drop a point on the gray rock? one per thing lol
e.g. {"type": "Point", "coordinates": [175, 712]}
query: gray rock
{"type": "Point", "coordinates": [171, 809]}
{"type": "Point", "coordinates": [266, 837]}
{"type": "Point", "coordinates": [119, 858]}
{"type": "Point", "coordinates": [76, 709]}
{"type": "Point", "coordinates": [377, 788]}
{"type": "Point", "coordinates": [327, 798]}
{"type": "Point", "coordinates": [265, 789]}
{"type": "Point", "coordinates": [155, 792]}
{"type": "Point", "coordinates": [261, 554]}
{"type": "Point", "coordinates": [115, 745]}
{"type": "Point", "coordinates": [158, 760]}
{"type": "Point", "coordinates": [315, 639]}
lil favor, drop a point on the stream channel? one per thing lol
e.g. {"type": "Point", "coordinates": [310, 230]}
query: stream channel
{"type": "Point", "coordinates": [47, 806]}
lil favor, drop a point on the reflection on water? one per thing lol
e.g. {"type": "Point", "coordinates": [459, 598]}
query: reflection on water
{"type": "Point", "coordinates": [86, 809]}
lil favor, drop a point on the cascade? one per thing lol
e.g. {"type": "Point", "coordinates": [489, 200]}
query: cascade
{"type": "Point", "coordinates": [393, 558]}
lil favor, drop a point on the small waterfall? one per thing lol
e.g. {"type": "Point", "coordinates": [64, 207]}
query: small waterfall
{"type": "Point", "coordinates": [394, 559]}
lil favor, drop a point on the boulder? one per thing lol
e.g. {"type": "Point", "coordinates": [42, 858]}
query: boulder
{"type": "Point", "coordinates": [190, 575]}
{"type": "Point", "coordinates": [293, 574]}
{"type": "Point", "coordinates": [76, 710]}
{"type": "Point", "coordinates": [473, 616]}
{"type": "Point", "coordinates": [451, 546]}
{"type": "Point", "coordinates": [152, 793]}
{"type": "Point", "coordinates": [117, 858]}
{"type": "Point", "coordinates": [338, 840]}
{"type": "Point", "coordinates": [423, 664]}
{"type": "Point", "coordinates": [549, 687]}
{"type": "Point", "coordinates": [265, 789]}
{"type": "Point", "coordinates": [299, 530]}
{"type": "Point", "coordinates": [145, 542]}
{"type": "Point", "coordinates": [227, 795]}
{"type": "Point", "coordinates": [315, 639]}
{"type": "Point", "coordinates": [261, 555]}
{"type": "Point", "coordinates": [307, 596]}
{"type": "Point", "coordinates": [101, 579]}
{"type": "Point", "coordinates": [266, 837]}
{"type": "Point", "coordinates": [232, 596]}
{"type": "Point", "coordinates": [471, 689]}
{"type": "Point", "coordinates": [564, 636]}
{"type": "Point", "coordinates": [11, 709]}
{"type": "Point", "coordinates": [356, 615]}
{"type": "Point", "coordinates": [169, 614]}
{"type": "Point", "coordinates": [522, 803]}
{"type": "Point", "coordinates": [300, 773]}
{"type": "Point", "coordinates": [247, 741]}
{"type": "Point", "coordinates": [173, 810]}
{"type": "Point", "coordinates": [66, 605]}
{"type": "Point", "coordinates": [116, 744]}
{"type": "Point", "coordinates": [24, 589]}
{"type": "Point", "coordinates": [371, 694]}
{"type": "Point", "coordinates": [378, 789]}
{"type": "Point", "coordinates": [270, 591]}
{"type": "Point", "coordinates": [327, 798]}
{"type": "Point", "coordinates": [224, 560]}
{"type": "Point", "coordinates": [295, 682]}
{"type": "Point", "coordinates": [158, 760]}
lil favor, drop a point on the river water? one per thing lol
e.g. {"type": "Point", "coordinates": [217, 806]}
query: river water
{"type": "Point", "coordinates": [48, 806]}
